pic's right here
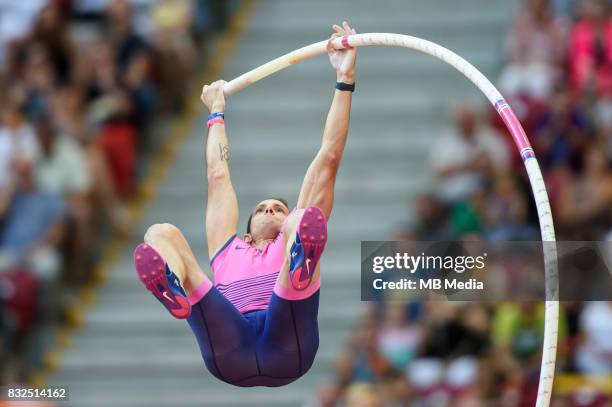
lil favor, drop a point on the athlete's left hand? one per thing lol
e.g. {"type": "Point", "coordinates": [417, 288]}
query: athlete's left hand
{"type": "Point", "coordinates": [343, 60]}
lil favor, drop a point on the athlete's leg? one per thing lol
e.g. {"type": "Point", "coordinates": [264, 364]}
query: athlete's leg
{"type": "Point", "coordinates": [169, 241]}
{"type": "Point", "coordinates": [226, 339]}
{"type": "Point", "coordinates": [288, 344]}
{"type": "Point", "coordinates": [290, 338]}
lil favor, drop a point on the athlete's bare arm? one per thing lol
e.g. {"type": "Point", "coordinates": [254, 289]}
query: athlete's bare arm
{"type": "Point", "coordinates": [318, 185]}
{"type": "Point", "coordinates": [222, 206]}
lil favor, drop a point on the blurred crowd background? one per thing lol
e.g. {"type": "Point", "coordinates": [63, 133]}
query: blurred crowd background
{"type": "Point", "coordinates": [557, 75]}
{"type": "Point", "coordinates": [87, 89]}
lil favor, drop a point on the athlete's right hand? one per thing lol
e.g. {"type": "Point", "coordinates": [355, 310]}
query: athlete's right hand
{"type": "Point", "coordinates": [213, 97]}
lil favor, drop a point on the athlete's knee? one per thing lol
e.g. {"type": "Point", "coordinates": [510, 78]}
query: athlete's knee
{"type": "Point", "coordinates": [161, 231]}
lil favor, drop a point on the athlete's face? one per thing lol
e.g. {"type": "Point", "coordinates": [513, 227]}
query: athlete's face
{"type": "Point", "coordinates": [267, 219]}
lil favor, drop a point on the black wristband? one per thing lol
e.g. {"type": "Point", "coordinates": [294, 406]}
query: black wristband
{"type": "Point", "coordinates": [345, 86]}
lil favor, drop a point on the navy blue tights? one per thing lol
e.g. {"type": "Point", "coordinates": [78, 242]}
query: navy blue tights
{"type": "Point", "coordinates": [270, 347]}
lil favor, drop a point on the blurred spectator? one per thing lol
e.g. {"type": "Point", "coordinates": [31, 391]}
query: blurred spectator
{"type": "Point", "coordinates": [585, 204]}
{"type": "Point", "coordinates": [328, 395]}
{"type": "Point", "coordinates": [17, 142]}
{"type": "Point", "coordinates": [51, 33]}
{"type": "Point", "coordinates": [561, 132]}
{"type": "Point", "coordinates": [61, 164]}
{"type": "Point", "coordinates": [506, 211]}
{"type": "Point", "coordinates": [452, 332]}
{"type": "Point", "coordinates": [62, 169]}
{"type": "Point", "coordinates": [466, 215]}
{"type": "Point", "coordinates": [362, 395]}
{"type": "Point", "coordinates": [535, 49]}
{"type": "Point", "coordinates": [398, 339]}
{"type": "Point", "coordinates": [395, 392]}
{"type": "Point", "coordinates": [603, 123]}
{"type": "Point", "coordinates": [594, 354]}
{"type": "Point", "coordinates": [174, 48]}
{"type": "Point", "coordinates": [34, 226]}
{"type": "Point", "coordinates": [367, 362]}
{"type": "Point", "coordinates": [431, 219]}
{"type": "Point", "coordinates": [118, 140]}
{"type": "Point", "coordinates": [39, 79]}
{"type": "Point", "coordinates": [16, 19]}
{"type": "Point", "coordinates": [120, 32]}
{"type": "Point", "coordinates": [590, 49]}
{"type": "Point", "coordinates": [517, 328]}
{"type": "Point", "coordinates": [144, 93]}
{"type": "Point", "coordinates": [462, 158]}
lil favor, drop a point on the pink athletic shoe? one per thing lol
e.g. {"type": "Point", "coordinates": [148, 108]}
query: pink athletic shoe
{"type": "Point", "coordinates": [306, 251]}
{"type": "Point", "coordinates": [161, 281]}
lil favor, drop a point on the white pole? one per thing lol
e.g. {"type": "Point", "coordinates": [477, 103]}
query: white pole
{"type": "Point", "coordinates": [549, 351]}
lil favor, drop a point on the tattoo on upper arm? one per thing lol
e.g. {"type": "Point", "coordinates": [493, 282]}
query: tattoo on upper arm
{"type": "Point", "coordinates": [224, 153]}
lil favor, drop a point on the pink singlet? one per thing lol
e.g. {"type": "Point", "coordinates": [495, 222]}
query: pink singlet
{"type": "Point", "coordinates": [246, 275]}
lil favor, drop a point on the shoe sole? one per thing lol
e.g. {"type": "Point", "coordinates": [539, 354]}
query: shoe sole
{"type": "Point", "coordinates": [151, 269]}
{"type": "Point", "coordinates": [312, 232]}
